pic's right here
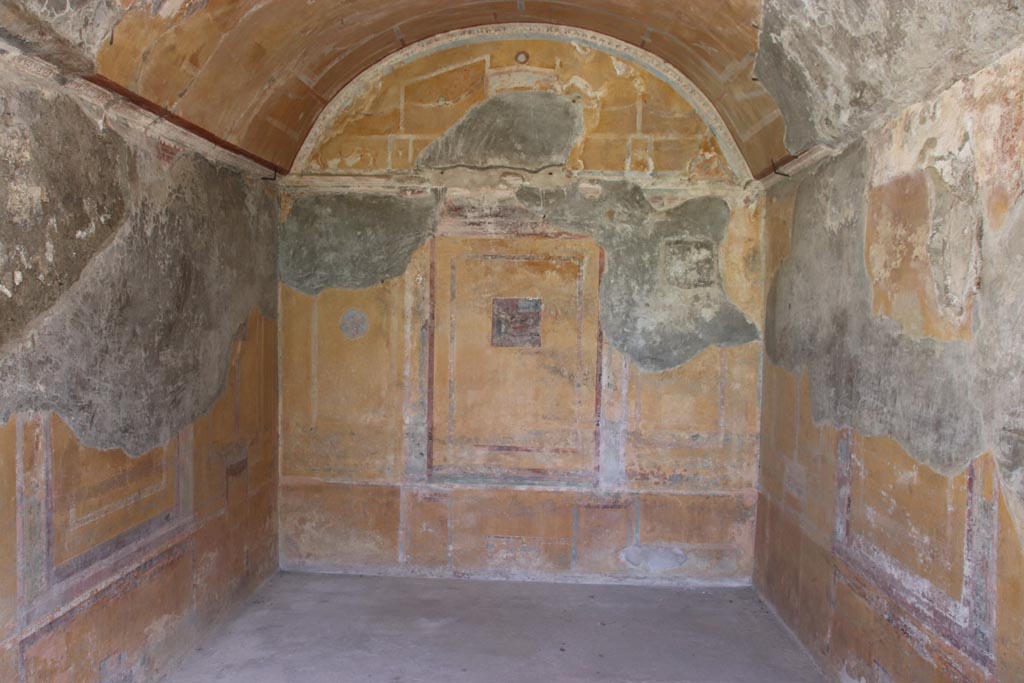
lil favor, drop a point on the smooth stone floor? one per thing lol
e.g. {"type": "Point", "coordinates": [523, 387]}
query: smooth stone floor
{"type": "Point", "coordinates": [308, 628]}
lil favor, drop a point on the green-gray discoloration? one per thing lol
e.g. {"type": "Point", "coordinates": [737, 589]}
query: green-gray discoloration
{"type": "Point", "coordinates": [353, 240]}
{"type": "Point", "coordinates": [946, 402]}
{"type": "Point", "coordinates": [837, 66]}
{"type": "Point", "coordinates": [657, 310]}
{"type": "Point", "coordinates": [60, 203]}
{"type": "Point", "coordinates": [135, 344]}
{"type": "Point", "coordinates": [529, 131]}
{"type": "Point", "coordinates": [864, 371]}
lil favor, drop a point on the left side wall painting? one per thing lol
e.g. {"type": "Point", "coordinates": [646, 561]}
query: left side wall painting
{"type": "Point", "coordinates": [138, 383]}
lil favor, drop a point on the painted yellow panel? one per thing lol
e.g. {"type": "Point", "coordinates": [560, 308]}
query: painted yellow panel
{"type": "Point", "coordinates": [523, 405]}
{"type": "Point", "coordinates": [343, 411]}
{"type": "Point", "coordinates": [103, 496]}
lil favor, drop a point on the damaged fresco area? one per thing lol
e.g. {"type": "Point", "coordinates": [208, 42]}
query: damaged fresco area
{"type": "Point", "coordinates": [353, 240]}
{"type": "Point", "coordinates": [662, 298]}
{"type": "Point", "coordinates": [134, 341]}
{"type": "Point", "coordinates": [835, 68]}
{"type": "Point", "coordinates": [880, 380]}
{"type": "Point", "coordinates": [53, 221]}
{"type": "Point", "coordinates": [946, 399]}
{"type": "Point", "coordinates": [528, 131]}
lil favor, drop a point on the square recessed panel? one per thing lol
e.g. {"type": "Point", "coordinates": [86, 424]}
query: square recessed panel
{"type": "Point", "coordinates": [691, 264]}
{"type": "Point", "coordinates": [516, 322]}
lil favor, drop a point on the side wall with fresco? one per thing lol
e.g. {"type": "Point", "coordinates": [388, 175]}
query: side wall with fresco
{"type": "Point", "coordinates": [138, 384]}
{"type": "Point", "coordinates": [890, 528]}
{"type": "Point", "coordinates": [529, 355]}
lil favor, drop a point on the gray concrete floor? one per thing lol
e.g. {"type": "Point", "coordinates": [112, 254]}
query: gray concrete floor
{"type": "Point", "coordinates": [303, 628]}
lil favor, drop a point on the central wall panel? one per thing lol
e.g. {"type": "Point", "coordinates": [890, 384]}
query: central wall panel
{"type": "Point", "coordinates": [517, 356]}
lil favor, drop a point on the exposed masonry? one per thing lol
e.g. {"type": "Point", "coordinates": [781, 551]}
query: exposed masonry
{"type": "Point", "coordinates": [527, 131]}
{"type": "Point", "coordinates": [137, 271]}
{"type": "Point", "coordinates": [946, 402]}
{"type": "Point", "coordinates": [353, 240]}
{"type": "Point", "coordinates": [662, 300]}
{"type": "Point", "coordinates": [837, 66]}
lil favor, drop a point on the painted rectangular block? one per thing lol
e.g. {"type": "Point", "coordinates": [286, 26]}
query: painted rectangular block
{"type": "Point", "coordinates": [345, 420]}
{"type": "Point", "coordinates": [339, 524]}
{"type": "Point", "coordinates": [105, 500]}
{"type": "Point", "coordinates": [512, 531]}
{"type": "Point", "coordinates": [427, 528]}
{"type": "Point", "coordinates": [697, 519]}
{"type": "Point", "coordinates": [912, 514]}
{"type": "Point", "coordinates": [691, 427]}
{"type": "Point", "coordinates": [604, 529]}
{"type": "Point", "coordinates": [128, 632]}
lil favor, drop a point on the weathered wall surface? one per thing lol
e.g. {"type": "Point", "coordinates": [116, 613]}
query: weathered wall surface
{"type": "Point", "coordinates": [138, 385]}
{"type": "Point", "coordinates": [597, 111]}
{"type": "Point", "coordinates": [890, 513]}
{"type": "Point", "coordinates": [543, 377]}
{"type": "Point", "coordinates": [837, 68]}
{"type": "Point", "coordinates": [135, 271]}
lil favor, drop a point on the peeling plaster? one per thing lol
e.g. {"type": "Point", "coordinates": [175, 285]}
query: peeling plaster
{"type": "Point", "coordinates": [527, 131]}
{"type": "Point", "coordinates": [662, 299]}
{"type": "Point", "coordinates": [835, 67]}
{"type": "Point", "coordinates": [146, 271]}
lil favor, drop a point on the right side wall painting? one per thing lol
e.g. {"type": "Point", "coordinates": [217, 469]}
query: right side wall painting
{"type": "Point", "coordinates": [891, 518]}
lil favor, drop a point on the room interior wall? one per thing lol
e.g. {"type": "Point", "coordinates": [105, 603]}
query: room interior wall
{"type": "Point", "coordinates": [889, 518]}
{"type": "Point", "coordinates": [138, 383]}
{"type": "Point", "coordinates": [503, 355]}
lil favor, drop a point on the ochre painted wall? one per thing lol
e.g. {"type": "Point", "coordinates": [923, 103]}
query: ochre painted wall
{"type": "Point", "coordinates": [112, 565]}
{"type": "Point", "coordinates": [893, 564]}
{"type": "Point", "coordinates": [138, 385]}
{"type": "Point", "coordinates": [466, 402]}
{"type": "Point", "coordinates": [558, 460]}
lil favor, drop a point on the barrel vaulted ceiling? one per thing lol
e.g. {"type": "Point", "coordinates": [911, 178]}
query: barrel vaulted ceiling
{"type": "Point", "coordinates": [255, 74]}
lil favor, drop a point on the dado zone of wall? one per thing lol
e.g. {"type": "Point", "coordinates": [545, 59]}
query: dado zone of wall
{"type": "Point", "coordinates": [493, 365]}
{"type": "Point", "coordinates": [138, 384]}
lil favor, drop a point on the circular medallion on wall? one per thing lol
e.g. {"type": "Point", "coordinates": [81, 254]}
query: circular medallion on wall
{"type": "Point", "coordinates": [354, 324]}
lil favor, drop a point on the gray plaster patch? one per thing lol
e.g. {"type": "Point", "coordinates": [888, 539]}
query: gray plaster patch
{"type": "Point", "coordinates": [353, 240]}
{"type": "Point", "coordinates": [82, 23]}
{"type": "Point", "coordinates": [662, 303]}
{"type": "Point", "coordinates": [529, 131]}
{"type": "Point", "coordinates": [945, 402]}
{"type": "Point", "coordinates": [354, 324]}
{"type": "Point", "coordinates": [837, 66]}
{"type": "Point", "coordinates": [139, 345]}
{"type": "Point", "coordinates": [864, 372]}
{"type": "Point", "coordinates": [654, 559]}
{"type": "Point", "coordinates": [999, 352]}
{"type": "Point", "coordinates": [59, 203]}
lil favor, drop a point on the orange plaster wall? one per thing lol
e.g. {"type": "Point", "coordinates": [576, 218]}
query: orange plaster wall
{"type": "Point", "coordinates": [121, 561]}
{"type": "Point", "coordinates": [660, 461]}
